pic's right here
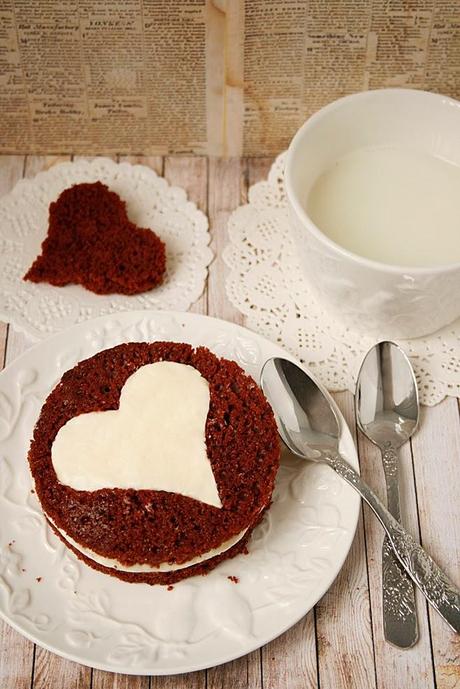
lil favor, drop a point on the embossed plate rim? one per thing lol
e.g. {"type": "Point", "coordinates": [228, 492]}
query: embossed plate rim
{"type": "Point", "coordinates": [225, 642]}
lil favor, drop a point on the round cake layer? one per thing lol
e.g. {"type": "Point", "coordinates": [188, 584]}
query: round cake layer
{"type": "Point", "coordinates": [162, 578]}
{"type": "Point", "coordinates": [145, 568]}
{"type": "Point", "coordinates": [148, 527]}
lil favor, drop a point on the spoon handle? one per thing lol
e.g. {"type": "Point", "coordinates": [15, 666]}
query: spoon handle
{"type": "Point", "coordinates": [431, 580]}
{"type": "Point", "coordinates": [399, 608]}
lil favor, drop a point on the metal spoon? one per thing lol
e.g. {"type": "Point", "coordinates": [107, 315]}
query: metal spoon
{"type": "Point", "coordinates": [387, 412]}
{"type": "Point", "coordinates": [309, 426]}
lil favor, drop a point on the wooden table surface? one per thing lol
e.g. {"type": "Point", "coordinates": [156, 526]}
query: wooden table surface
{"type": "Point", "coordinates": [340, 643]}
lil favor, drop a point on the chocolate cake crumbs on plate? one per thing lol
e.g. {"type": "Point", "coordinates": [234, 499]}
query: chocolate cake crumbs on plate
{"type": "Point", "coordinates": [91, 242]}
{"type": "Point", "coordinates": [149, 527]}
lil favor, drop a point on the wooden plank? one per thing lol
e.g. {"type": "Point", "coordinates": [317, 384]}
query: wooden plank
{"type": "Point", "coordinates": [413, 666]}
{"type": "Point", "coordinates": [189, 680]}
{"type": "Point", "coordinates": [109, 680]}
{"type": "Point", "coordinates": [98, 678]}
{"type": "Point", "coordinates": [36, 164]}
{"type": "Point", "coordinates": [16, 652]}
{"type": "Point", "coordinates": [104, 680]}
{"type": "Point", "coordinates": [18, 342]}
{"type": "Point", "coordinates": [11, 171]}
{"type": "Point", "coordinates": [226, 187]}
{"type": "Point", "coordinates": [16, 659]}
{"type": "Point", "coordinates": [101, 680]}
{"type": "Point", "coordinates": [290, 660]}
{"type": "Point", "coordinates": [344, 632]}
{"type": "Point", "coordinates": [436, 451]}
{"type": "Point", "coordinates": [242, 673]}
{"type": "Point", "coordinates": [51, 670]}
{"type": "Point", "coordinates": [155, 162]}
{"type": "Point", "coordinates": [191, 173]}
{"type": "Point", "coordinates": [258, 169]}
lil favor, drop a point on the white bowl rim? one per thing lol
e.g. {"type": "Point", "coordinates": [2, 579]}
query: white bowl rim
{"type": "Point", "coordinates": [330, 107]}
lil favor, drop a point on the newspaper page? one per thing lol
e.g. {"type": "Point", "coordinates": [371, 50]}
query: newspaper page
{"type": "Point", "coordinates": [218, 77]}
{"type": "Point", "coordinates": [103, 76]}
{"type": "Point", "coordinates": [302, 54]}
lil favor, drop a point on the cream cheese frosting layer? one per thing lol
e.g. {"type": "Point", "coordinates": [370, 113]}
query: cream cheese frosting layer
{"type": "Point", "coordinates": [144, 568]}
{"type": "Point", "coordinates": [155, 440]}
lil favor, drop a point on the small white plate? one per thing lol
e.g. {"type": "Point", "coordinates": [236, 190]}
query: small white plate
{"type": "Point", "coordinates": [63, 605]}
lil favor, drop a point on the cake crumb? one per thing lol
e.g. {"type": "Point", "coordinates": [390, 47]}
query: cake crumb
{"type": "Point", "coordinates": [23, 570]}
{"type": "Point", "coordinates": [234, 579]}
{"type": "Point", "coordinates": [38, 579]}
{"type": "Point", "coordinates": [170, 587]}
{"type": "Point", "coordinates": [32, 490]}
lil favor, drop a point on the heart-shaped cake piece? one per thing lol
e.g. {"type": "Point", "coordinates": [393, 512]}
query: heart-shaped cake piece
{"type": "Point", "coordinates": [91, 242]}
{"type": "Point", "coordinates": [154, 461]}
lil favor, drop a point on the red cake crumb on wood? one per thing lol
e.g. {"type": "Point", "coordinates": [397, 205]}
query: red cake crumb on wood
{"type": "Point", "coordinates": [153, 527]}
{"type": "Point", "coordinates": [91, 242]}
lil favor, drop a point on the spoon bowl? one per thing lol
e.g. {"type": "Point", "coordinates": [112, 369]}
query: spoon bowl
{"type": "Point", "coordinates": [305, 418]}
{"type": "Point", "coordinates": [387, 402]}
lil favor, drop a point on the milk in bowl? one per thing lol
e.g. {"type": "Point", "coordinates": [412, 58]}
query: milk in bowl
{"type": "Point", "coordinates": [391, 204]}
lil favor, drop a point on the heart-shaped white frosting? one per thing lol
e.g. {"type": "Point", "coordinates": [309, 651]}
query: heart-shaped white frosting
{"type": "Point", "coordinates": [155, 440]}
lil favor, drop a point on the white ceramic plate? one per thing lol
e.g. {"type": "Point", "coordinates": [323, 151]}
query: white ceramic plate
{"type": "Point", "coordinates": [81, 614]}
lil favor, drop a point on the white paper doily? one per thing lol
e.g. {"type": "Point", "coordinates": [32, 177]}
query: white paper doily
{"type": "Point", "coordinates": [267, 285]}
{"type": "Point", "coordinates": [41, 309]}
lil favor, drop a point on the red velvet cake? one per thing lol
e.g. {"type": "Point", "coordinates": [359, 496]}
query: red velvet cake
{"type": "Point", "coordinates": [103, 513]}
{"type": "Point", "coordinates": [91, 242]}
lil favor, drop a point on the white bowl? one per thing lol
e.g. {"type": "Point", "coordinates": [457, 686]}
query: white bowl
{"type": "Point", "coordinates": [386, 300]}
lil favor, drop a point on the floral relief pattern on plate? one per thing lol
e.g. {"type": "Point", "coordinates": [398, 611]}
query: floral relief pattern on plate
{"type": "Point", "coordinates": [84, 615]}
